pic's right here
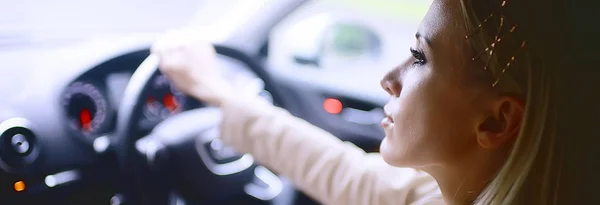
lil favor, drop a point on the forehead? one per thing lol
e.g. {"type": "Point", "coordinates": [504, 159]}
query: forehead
{"type": "Point", "coordinates": [444, 28]}
{"type": "Point", "coordinates": [443, 23]}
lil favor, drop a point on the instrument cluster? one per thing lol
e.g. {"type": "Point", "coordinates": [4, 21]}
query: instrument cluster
{"type": "Point", "coordinates": [90, 107]}
{"type": "Point", "coordinates": [90, 103]}
{"type": "Point", "coordinates": [163, 101]}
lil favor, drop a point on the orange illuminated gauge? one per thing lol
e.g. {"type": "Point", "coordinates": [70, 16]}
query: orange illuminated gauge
{"type": "Point", "coordinates": [86, 108]}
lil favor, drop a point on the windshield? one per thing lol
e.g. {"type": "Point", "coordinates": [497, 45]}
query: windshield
{"type": "Point", "coordinates": [76, 18]}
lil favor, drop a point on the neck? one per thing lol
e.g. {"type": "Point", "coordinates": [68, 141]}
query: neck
{"type": "Point", "coordinates": [462, 182]}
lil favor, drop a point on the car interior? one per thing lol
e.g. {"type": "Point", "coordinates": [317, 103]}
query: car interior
{"type": "Point", "coordinates": [91, 120]}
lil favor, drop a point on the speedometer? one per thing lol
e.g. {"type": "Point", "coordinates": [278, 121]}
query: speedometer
{"type": "Point", "coordinates": [86, 108]}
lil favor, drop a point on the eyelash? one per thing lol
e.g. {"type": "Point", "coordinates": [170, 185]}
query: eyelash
{"type": "Point", "coordinates": [419, 57]}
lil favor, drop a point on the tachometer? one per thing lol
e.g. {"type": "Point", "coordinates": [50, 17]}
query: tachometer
{"type": "Point", "coordinates": [163, 100]}
{"type": "Point", "coordinates": [86, 107]}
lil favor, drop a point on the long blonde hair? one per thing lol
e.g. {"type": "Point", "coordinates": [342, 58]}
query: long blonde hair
{"type": "Point", "coordinates": [532, 171]}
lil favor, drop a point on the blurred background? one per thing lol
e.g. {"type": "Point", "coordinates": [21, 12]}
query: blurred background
{"type": "Point", "coordinates": [84, 121]}
{"type": "Point", "coordinates": [369, 31]}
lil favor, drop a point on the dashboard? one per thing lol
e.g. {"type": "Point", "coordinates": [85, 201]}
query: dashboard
{"type": "Point", "coordinates": [90, 103]}
{"type": "Point", "coordinates": [56, 127]}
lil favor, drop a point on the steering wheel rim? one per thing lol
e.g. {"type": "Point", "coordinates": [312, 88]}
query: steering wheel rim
{"type": "Point", "coordinates": [131, 164]}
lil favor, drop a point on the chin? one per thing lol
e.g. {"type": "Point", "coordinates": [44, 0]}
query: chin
{"type": "Point", "coordinates": [389, 153]}
{"type": "Point", "coordinates": [396, 155]}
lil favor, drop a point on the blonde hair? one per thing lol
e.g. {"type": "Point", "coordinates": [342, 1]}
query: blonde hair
{"type": "Point", "coordinates": [532, 171]}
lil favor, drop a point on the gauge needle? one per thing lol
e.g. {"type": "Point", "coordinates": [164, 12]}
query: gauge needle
{"type": "Point", "coordinates": [170, 102]}
{"type": "Point", "coordinates": [85, 118]}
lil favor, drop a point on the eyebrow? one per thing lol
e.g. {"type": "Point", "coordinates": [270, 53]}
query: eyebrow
{"type": "Point", "coordinates": [418, 36]}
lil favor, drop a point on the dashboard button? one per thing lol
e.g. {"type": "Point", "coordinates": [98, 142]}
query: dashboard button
{"type": "Point", "coordinates": [20, 144]}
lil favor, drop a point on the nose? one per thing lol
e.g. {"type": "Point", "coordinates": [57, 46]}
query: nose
{"type": "Point", "coordinates": [391, 83]}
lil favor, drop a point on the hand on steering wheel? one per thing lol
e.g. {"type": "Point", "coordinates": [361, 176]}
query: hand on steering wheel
{"type": "Point", "coordinates": [189, 61]}
{"type": "Point", "coordinates": [171, 154]}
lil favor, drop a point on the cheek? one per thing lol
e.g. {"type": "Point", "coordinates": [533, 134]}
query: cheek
{"type": "Point", "coordinates": [430, 125]}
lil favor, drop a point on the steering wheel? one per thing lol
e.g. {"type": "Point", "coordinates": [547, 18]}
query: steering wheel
{"type": "Point", "coordinates": [183, 153]}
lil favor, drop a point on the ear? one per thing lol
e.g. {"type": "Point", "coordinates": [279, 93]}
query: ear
{"type": "Point", "coordinates": [503, 124]}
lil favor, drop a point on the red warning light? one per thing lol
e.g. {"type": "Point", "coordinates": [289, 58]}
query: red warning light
{"type": "Point", "coordinates": [333, 106]}
{"type": "Point", "coordinates": [85, 118]}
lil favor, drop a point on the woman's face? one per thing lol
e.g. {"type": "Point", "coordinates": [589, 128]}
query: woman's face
{"type": "Point", "coordinates": [433, 111]}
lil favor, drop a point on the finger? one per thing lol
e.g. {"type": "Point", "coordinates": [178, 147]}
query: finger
{"type": "Point", "coordinates": [173, 62]}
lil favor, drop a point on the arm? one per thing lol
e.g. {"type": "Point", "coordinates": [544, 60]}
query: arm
{"type": "Point", "coordinates": [321, 165]}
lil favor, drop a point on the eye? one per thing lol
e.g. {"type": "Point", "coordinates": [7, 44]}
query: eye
{"type": "Point", "coordinates": [419, 57]}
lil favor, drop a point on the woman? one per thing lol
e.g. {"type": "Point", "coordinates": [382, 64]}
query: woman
{"type": "Point", "coordinates": [471, 113]}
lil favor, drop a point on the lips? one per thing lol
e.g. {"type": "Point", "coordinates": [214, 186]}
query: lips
{"type": "Point", "coordinates": [390, 119]}
{"type": "Point", "coordinates": [388, 115]}
{"type": "Point", "coordinates": [387, 120]}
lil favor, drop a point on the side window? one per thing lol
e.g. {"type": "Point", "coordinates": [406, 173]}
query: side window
{"type": "Point", "coordinates": [347, 34]}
